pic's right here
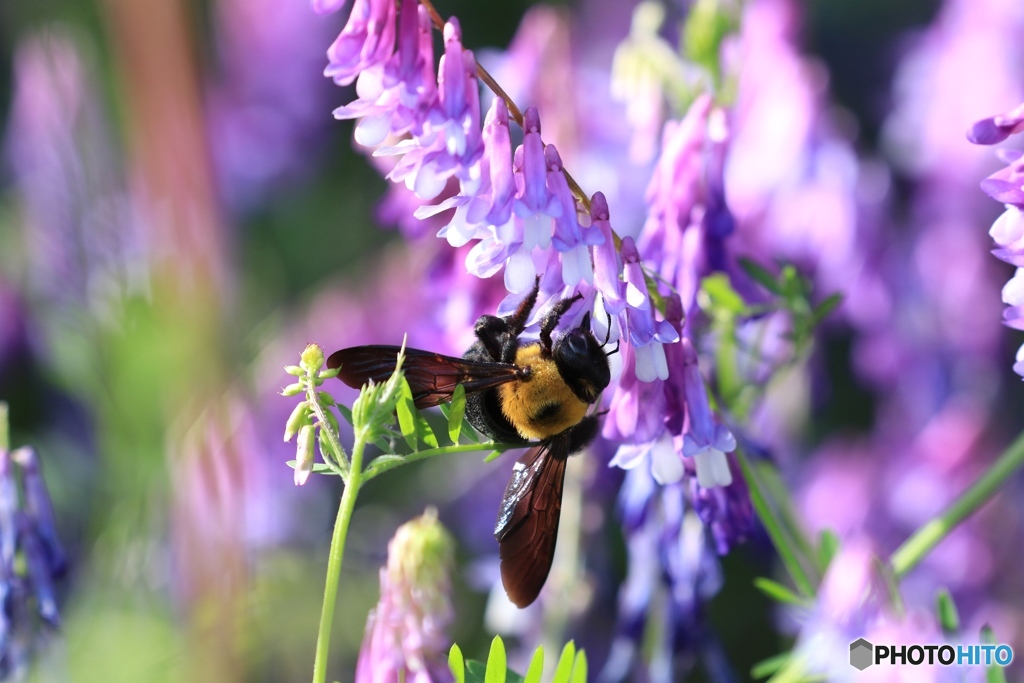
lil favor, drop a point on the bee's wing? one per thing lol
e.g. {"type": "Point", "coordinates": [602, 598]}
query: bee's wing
{"type": "Point", "coordinates": [431, 376]}
{"type": "Point", "coordinates": [528, 519]}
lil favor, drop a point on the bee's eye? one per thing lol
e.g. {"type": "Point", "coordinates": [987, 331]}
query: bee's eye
{"type": "Point", "coordinates": [578, 344]}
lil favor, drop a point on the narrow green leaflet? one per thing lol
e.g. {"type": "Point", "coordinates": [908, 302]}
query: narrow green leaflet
{"type": "Point", "coordinates": [318, 467]}
{"type": "Point", "coordinates": [564, 668]}
{"type": "Point", "coordinates": [406, 414]}
{"type": "Point", "coordinates": [993, 673]}
{"type": "Point", "coordinates": [476, 671]}
{"type": "Point", "coordinates": [767, 667]}
{"type": "Point", "coordinates": [456, 413]}
{"type": "Point", "coordinates": [497, 665]}
{"type": "Point", "coordinates": [423, 431]}
{"type": "Point", "coordinates": [346, 412]}
{"type": "Point", "coordinates": [949, 618]}
{"type": "Point", "coordinates": [493, 455]}
{"type": "Point", "coordinates": [722, 295]}
{"type": "Point", "coordinates": [776, 591]}
{"type": "Point", "coordinates": [822, 310]}
{"type": "Point", "coordinates": [456, 664]}
{"type": "Point", "coordinates": [828, 546]}
{"type": "Point", "coordinates": [579, 668]}
{"type": "Point", "coordinates": [536, 666]}
{"type": "Point", "coordinates": [760, 275]}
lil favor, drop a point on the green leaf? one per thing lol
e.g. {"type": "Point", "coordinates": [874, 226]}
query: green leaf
{"type": "Point", "coordinates": [457, 664]}
{"type": "Point", "coordinates": [760, 275]}
{"type": "Point", "coordinates": [457, 411]}
{"type": "Point", "coordinates": [564, 668]}
{"type": "Point", "coordinates": [949, 618]}
{"type": "Point", "coordinates": [476, 671]}
{"type": "Point", "coordinates": [346, 413]}
{"type": "Point", "coordinates": [993, 672]}
{"type": "Point", "coordinates": [778, 592]}
{"type": "Point", "coordinates": [831, 303]}
{"type": "Point", "coordinates": [767, 667]}
{"type": "Point", "coordinates": [424, 432]}
{"type": "Point", "coordinates": [406, 414]}
{"type": "Point", "coordinates": [318, 467]}
{"type": "Point", "coordinates": [493, 455]}
{"type": "Point", "coordinates": [724, 298]}
{"type": "Point", "coordinates": [497, 666]}
{"type": "Point", "coordinates": [828, 546]}
{"type": "Point", "coordinates": [536, 666]}
{"type": "Point", "coordinates": [579, 668]}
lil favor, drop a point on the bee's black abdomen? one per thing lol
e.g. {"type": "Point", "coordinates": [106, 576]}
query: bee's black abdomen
{"type": "Point", "coordinates": [483, 409]}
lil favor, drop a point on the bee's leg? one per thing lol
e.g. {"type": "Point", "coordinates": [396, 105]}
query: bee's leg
{"type": "Point", "coordinates": [517, 321]}
{"type": "Point", "coordinates": [492, 331]}
{"type": "Point", "coordinates": [547, 326]}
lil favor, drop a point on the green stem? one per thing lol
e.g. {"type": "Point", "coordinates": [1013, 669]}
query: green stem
{"type": "Point", "coordinates": [348, 503]}
{"type": "Point", "coordinates": [383, 466]}
{"type": "Point", "coordinates": [340, 465]}
{"type": "Point", "coordinates": [776, 530]}
{"type": "Point", "coordinates": [5, 433]}
{"type": "Point", "coordinates": [908, 555]}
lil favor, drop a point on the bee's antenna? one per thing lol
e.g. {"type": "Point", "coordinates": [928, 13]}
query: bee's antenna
{"type": "Point", "coordinates": [615, 350]}
{"type": "Point", "coordinates": [608, 333]}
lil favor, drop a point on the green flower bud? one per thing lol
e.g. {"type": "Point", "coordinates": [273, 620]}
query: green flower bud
{"type": "Point", "coordinates": [299, 417]}
{"type": "Point", "coordinates": [293, 389]}
{"type": "Point", "coordinates": [313, 358]}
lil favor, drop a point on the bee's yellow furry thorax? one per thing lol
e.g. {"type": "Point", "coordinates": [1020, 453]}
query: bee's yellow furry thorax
{"type": "Point", "coordinates": [543, 405]}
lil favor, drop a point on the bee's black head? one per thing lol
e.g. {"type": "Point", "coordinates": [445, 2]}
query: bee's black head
{"type": "Point", "coordinates": [581, 362]}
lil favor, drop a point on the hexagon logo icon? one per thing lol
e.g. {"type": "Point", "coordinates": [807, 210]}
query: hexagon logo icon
{"type": "Point", "coordinates": [860, 654]}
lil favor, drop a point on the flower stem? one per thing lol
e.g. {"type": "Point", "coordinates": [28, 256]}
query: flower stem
{"type": "Point", "coordinates": [773, 524]}
{"type": "Point", "coordinates": [908, 555]}
{"type": "Point", "coordinates": [5, 433]}
{"type": "Point", "coordinates": [337, 553]}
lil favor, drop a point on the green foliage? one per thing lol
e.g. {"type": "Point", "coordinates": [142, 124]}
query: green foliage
{"type": "Point", "coordinates": [776, 591]}
{"type": "Point", "coordinates": [571, 667]}
{"type": "Point", "coordinates": [949, 617]}
{"type": "Point", "coordinates": [373, 417]}
{"type": "Point", "coordinates": [993, 672]}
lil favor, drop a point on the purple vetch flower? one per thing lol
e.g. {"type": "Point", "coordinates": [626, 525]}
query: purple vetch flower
{"type": "Point", "coordinates": [646, 334]}
{"type": "Point", "coordinates": [1007, 186]}
{"type": "Point", "coordinates": [667, 549]}
{"type": "Point", "coordinates": [396, 96]}
{"type": "Point", "coordinates": [725, 510]}
{"type": "Point", "coordinates": [450, 144]}
{"type": "Point", "coordinates": [535, 203]}
{"type": "Point", "coordinates": [367, 40]}
{"type": "Point", "coordinates": [31, 558]}
{"type": "Point", "coordinates": [326, 6]}
{"type": "Point", "coordinates": [705, 440]}
{"type": "Point", "coordinates": [607, 260]}
{"type": "Point", "coordinates": [570, 238]}
{"type": "Point", "coordinates": [997, 128]}
{"type": "Point", "coordinates": [406, 633]}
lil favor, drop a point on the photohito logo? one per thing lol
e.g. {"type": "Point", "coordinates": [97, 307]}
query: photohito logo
{"type": "Point", "coordinates": [863, 654]}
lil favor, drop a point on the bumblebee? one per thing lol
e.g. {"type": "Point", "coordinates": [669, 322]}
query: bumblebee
{"type": "Point", "coordinates": [533, 393]}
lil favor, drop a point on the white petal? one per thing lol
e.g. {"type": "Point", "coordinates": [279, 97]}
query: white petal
{"type": "Point", "coordinates": [1009, 227]}
{"type": "Point", "coordinates": [646, 370]}
{"type": "Point", "coordinates": [519, 272]}
{"type": "Point", "coordinates": [372, 130]}
{"type": "Point", "coordinates": [1013, 291]}
{"type": "Point", "coordinates": [666, 465]}
{"type": "Point", "coordinates": [712, 469]}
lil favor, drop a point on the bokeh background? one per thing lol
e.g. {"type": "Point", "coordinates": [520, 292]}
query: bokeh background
{"type": "Point", "coordinates": [180, 214]}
